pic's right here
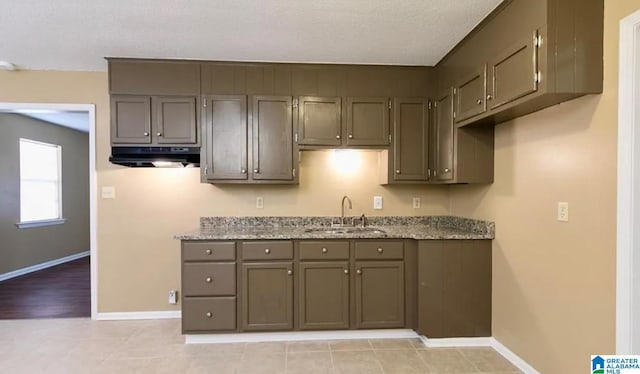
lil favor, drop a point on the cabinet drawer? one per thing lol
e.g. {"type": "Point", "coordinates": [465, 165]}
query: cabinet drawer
{"type": "Point", "coordinates": [208, 251]}
{"type": "Point", "coordinates": [208, 279]}
{"type": "Point", "coordinates": [208, 313]}
{"type": "Point", "coordinates": [268, 250]}
{"type": "Point", "coordinates": [324, 250]}
{"type": "Point", "coordinates": [379, 251]}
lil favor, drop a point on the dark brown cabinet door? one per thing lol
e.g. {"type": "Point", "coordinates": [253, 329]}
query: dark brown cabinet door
{"type": "Point", "coordinates": [324, 295]}
{"type": "Point", "coordinates": [272, 138]}
{"type": "Point", "coordinates": [175, 121]}
{"type": "Point", "coordinates": [410, 139]}
{"type": "Point", "coordinates": [444, 136]}
{"type": "Point", "coordinates": [367, 120]}
{"type": "Point", "coordinates": [454, 293]}
{"type": "Point", "coordinates": [267, 297]}
{"type": "Point", "coordinates": [130, 119]}
{"type": "Point", "coordinates": [319, 120]}
{"type": "Point", "coordinates": [514, 72]}
{"type": "Point", "coordinates": [379, 294]}
{"type": "Point", "coordinates": [225, 137]}
{"type": "Point", "coordinates": [470, 95]}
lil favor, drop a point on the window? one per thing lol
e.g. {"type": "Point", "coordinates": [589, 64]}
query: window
{"type": "Point", "coordinates": [40, 183]}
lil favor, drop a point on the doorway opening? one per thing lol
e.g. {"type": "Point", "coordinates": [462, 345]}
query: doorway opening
{"type": "Point", "coordinates": [48, 266]}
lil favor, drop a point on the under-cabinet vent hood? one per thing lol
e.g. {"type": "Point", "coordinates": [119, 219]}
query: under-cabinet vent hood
{"type": "Point", "coordinates": [156, 156]}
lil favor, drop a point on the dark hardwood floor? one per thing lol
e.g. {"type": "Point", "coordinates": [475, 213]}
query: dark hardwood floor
{"type": "Point", "coordinates": [61, 291]}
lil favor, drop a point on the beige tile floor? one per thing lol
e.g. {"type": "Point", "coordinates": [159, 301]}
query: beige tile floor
{"type": "Point", "coordinates": [156, 346]}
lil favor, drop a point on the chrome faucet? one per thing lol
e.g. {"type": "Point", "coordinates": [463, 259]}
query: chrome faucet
{"type": "Point", "coordinates": [345, 197]}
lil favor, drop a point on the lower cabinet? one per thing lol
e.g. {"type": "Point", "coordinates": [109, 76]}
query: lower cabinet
{"type": "Point", "coordinates": [324, 295]}
{"type": "Point", "coordinates": [267, 297]}
{"type": "Point", "coordinates": [379, 294]}
{"type": "Point", "coordinates": [208, 314]}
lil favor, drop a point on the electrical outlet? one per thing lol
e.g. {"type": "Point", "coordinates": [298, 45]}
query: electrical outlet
{"type": "Point", "coordinates": [108, 192]}
{"type": "Point", "coordinates": [377, 202]}
{"type": "Point", "coordinates": [416, 203]}
{"type": "Point", "coordinates": [259, 202]}
{"type": "Point", "coordinates": [173, 297]}
{"type": "Point", "coordinates": [563, 212]}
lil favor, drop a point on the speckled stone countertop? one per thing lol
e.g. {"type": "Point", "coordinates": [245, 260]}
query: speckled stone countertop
{"type": "Point", "coordinates": [266, 228]}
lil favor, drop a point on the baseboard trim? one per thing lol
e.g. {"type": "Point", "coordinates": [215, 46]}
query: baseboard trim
{"type": "Point", "coordinates": [300, 336]}
{"type": "Point", "coordinates": [120, 316]}
{"type": "Point", "coordinates": [513, 358]}
{"type": "Point", "coordinates": [41, 266]}
{"type": "Point", "coordinates": [456, 342]}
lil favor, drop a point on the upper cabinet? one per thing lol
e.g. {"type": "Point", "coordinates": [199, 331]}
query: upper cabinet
{"type": "Point", "coordinates": [319, 120]}
{"type": "Point", "coordinates": [368, 121]}
{"type": "Point", "coordinates": [411, 143]}
{"type": "Point", "coordinates": [154, 102]}
{"type": "Point", "coordinates": [525, 56]}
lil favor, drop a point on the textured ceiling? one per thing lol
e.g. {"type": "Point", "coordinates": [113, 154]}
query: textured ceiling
{"type": "Point", "coordinates": [77, 34]}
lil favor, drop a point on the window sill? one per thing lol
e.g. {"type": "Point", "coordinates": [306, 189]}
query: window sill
{"type": "Point", "coordinates": [47, 222]}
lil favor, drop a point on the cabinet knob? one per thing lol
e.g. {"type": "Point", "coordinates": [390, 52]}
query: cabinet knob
{"type": "Point", "coordinates": [479, 102]}
{"type": "Point", "coordinates": [208, 280]}
{"type": "Point", "coordinates": [346, 271]}
{"type": "Point", "coordinates": [337, 136]}
{"type": "Point", "coordinates": [267, 251]}
{"type": "Point", "coordinates": [350, 136]}
{"type": "Point", "coordinates": [358, 271]}
{"type": "Point", "coordinates": [489, 97]}
{"type": "Point", "coordinates": [256, 171]}
{"type": "Point", "coordinates": [243, 171]}
{"type": "Point", "coordinates": [208, 252]}
{"type": "Point", "coordinates": [209, 315]}
{"type": "Point", "coordinates": [397, 171]}
{"type": "Point", "coordinates": [146, 133]}
{"type": "Point", "coordinates": [324, 250]}
{"type": "Point", "coordinates": [158, 134]}
{"type": "Point", "coordinates": [289, 272]}
{"type": "Point", "coordinates": [446, 170]}
{"type": "Point", "coordinates": [380, 250]}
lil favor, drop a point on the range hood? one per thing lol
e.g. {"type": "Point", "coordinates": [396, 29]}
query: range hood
{"type": "Point", "coordinates": [156, 156]}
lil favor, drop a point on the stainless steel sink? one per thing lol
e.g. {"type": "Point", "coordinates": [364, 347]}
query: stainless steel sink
{"type": "Point", "coordinates": [345, 230]}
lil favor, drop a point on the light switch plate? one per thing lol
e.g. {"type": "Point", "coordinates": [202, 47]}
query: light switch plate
{"type": "Point", "coordinates": [563, 211]}
{"type": "Point", "coordinates": [173, 297]}
{"type": "Point", "coordinates": [377, 202]}
{"type": "Point", "coordinates": [259, 202]}
{"type": "Point", "coordinates": [108, 192]}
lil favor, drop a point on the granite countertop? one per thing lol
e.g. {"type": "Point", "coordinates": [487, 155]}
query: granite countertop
{"type": "Point", "coordinates": [266, 228]}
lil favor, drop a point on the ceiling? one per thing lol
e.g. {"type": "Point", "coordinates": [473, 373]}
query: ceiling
{"type": "Point", "coordinates": [78, 34]}
{"type": "Point", "coordinates": [71, 119]}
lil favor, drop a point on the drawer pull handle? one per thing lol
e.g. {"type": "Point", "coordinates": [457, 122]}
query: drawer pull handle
{"type": "Point", "coordinates": [267, 251]}
{"type": "Point", "coordinates": [359, 272]}
{"type": "Point", "coordinates": [324, 250]}
{"type": "Point", "coordinates": [346, 271]}
{"type": "Point", "coordinates": [380, 250]}
{"type": "Point", "coordinates": [208, 280]}
{"type": "Point", "coordinates": [208, 252]}
{"type": "Point", "coordinates": [209, 315]}
{"type": "Point", "coordinates": [289, 272]}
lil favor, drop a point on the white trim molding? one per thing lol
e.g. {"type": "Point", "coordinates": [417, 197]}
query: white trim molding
{"type": "Point", "coordinates": [43, 265]}
{"type": "Point", "coordinates": [245, 337]}
{"type": "Point", "coordinates": [45, 222]}
{"type": "Point", "coordinates": [456, 342]}
{"type": "Point", "coordinates": [123, 316]}
{"type": "Point", "coordinates": [628, 205]}
{"type": "Point", "coordinates": [513, 358]}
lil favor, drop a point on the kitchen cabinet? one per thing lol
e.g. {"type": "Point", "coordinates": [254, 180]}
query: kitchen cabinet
{"type": "Point", "coordinates": [380, 284]}
{"type": "Point", "coordinates": [454, 288]}
{"type": "Point", "coordinates": [236, 151]}
{"type": "Point", "coordinates": [209, 290]}
{"type": "Point", "coordinates": [319, 120]}
{"type": "Point", "coordinates": [368, 121]}
{"type": "Point", "coordinates": [224, 141]}
{"type": "Point", "coordinates": [443, 167]}
{"type": "Point", "coordinates": [324, 295]}
{"type": "Point", "coordinates": [537, 54]}
{"type": "Point", "coordinates": [153, 120]}
{"type": "Point", "coordinates": [273, 147]}
{"type": "Point", "coordinates": [411, 148]}
{"type": "Point", "coordinates": [267, 285]}
{"type": "Point", "coordinates": [470, 95]}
